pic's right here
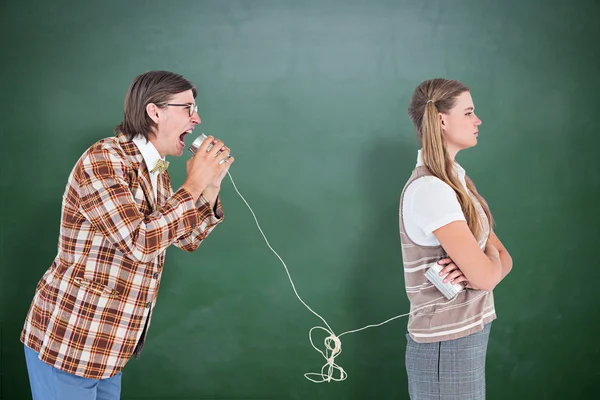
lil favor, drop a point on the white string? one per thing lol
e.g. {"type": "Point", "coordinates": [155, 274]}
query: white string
{"type": "Point", "coordinates": [331, 352]}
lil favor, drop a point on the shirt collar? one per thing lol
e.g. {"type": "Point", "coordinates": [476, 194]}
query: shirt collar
{"type": "Point", "coordinates": [457, 167]}
{"type": "Point", "coordinates": [149, 152]}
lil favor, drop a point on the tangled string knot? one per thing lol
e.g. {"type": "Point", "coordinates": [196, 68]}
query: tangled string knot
{"type": "Point", "coordinates": [333, 348]}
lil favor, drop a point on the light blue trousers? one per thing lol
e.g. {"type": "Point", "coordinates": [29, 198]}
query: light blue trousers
{"type": "Point", "coordinates": [49, 383]}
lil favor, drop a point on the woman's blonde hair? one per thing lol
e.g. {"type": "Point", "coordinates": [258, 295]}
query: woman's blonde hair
{"type": "Point", "coordinates": [429, 99]}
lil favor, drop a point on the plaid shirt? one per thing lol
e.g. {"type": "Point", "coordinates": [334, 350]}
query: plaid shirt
{"type": "Point", "coordinates": [93, 306]}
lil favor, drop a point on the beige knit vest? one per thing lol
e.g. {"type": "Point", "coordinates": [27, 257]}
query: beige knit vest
{"type": "Point", "coordinates": [431, 321]}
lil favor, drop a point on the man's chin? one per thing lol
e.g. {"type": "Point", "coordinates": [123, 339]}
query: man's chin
{"type": "Point", "coordinates": [177, 152]}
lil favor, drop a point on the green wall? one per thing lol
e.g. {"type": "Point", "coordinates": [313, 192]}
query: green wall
{"type": "Point", "coordinates": [311, 96]}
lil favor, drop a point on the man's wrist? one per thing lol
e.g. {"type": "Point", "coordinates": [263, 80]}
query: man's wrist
{"type": "Point", "coordinates": [194, 190]}
{"type": "Point", "coordinates": [211, 193]}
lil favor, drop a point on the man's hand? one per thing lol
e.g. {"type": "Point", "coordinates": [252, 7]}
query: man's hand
{"type": "Point", "coordinates": [216, 183]}
{"type": "Point", "coordinates": [454, 274]}
{"type": "Point", "coordinates": [224, 154]}
{"type": "Point", "coordinates": [205, 168]}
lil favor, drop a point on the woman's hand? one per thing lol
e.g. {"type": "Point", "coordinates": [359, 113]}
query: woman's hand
{"type": "Point", "coordinates": [453, 274]}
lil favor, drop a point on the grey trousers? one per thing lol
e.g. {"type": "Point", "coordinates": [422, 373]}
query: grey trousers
{"type": "Point", "coordinates": [448, 370]}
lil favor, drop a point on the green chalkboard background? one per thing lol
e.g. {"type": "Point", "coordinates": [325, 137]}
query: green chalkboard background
{"type": "Point", "coordinates": [312, 98]}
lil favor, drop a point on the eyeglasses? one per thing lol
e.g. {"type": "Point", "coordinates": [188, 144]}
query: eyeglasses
{"type": "Point", "coordinates": [192, 107]}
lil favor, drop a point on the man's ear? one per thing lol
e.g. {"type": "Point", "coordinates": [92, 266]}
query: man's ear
{"type": "Point", "coordinates": [153, 112]}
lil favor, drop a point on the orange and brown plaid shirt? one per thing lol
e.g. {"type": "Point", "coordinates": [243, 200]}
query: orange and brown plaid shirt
{"type": "Point", "coordinates": [93, 306]}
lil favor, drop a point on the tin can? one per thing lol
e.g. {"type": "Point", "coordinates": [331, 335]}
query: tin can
{"type": "Point", "coordinates": [448, 289]}
{"type": "Point", "coordinates": [196, 145]}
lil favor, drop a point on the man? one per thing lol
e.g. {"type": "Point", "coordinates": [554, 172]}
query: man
{"type": "Point", "coordinates": [92, 308]}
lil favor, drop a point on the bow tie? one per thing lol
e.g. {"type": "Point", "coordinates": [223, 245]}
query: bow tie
{"type": "Point", "coordinates": [161, 166]}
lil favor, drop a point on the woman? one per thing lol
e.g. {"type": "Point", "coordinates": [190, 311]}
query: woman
{"type": "Point", "coordinates": [443, 217]}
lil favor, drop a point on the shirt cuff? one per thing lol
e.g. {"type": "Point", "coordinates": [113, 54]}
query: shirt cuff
{"type": "Point", "coordinates": [214, 214]}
